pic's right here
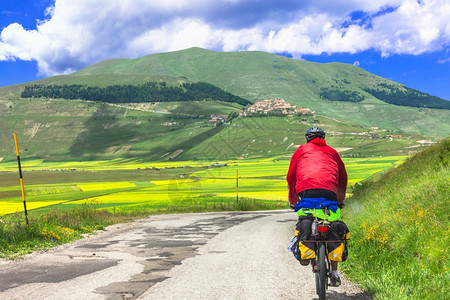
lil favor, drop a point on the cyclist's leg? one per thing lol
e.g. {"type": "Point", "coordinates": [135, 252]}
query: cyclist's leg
{"type": "Point", "coordinates": [335, 280]}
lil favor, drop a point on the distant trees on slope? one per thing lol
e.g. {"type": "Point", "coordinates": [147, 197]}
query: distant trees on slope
{"type": "Point", "coordinates": [341, 95]}
{"type": "Point", "coordinates": [397, 95]}
{"type": "Point", "coordinates": [148, 92]}
{"type": "Point", "coordinates": [407, 97]}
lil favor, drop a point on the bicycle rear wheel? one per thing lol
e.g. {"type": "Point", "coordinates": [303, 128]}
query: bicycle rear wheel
{"type": "Point", "coordinates": [321, 276]}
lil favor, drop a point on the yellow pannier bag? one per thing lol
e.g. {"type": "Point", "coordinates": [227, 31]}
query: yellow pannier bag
{"type": "Point", "coordinates": [306, 252]}
{"type": "Point", "coordinates": [336, 254]}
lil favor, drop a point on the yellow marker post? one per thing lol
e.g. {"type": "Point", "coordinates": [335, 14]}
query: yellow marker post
{"type": "Point", "coordinates": [237, 186]}
{"type": "Point", "coordinates": [21, 179]}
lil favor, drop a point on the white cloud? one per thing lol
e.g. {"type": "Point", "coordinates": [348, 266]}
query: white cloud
{"type": "Point", "coordinates": [444, 61]}
{"type": "Point", "coordinates": [79, 33]}
{"type": "Point", "coordinates": [179, 34]}
{"type": "Point", "coordinates": [413, 28]}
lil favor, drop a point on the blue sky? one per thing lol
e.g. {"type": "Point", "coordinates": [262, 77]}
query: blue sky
{"type": "Point", "coordinates": [407, 41]}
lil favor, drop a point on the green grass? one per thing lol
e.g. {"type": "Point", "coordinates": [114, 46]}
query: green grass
{"type": "Point", "coordinates": [400, 229]}
{"type": "Point", "coordinates": [55, 227]}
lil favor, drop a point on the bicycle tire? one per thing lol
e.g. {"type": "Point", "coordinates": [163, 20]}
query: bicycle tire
{"type": "Point", "coordinates": [316, 275]}
{"type": "Point", "coordinates": [322, 274]}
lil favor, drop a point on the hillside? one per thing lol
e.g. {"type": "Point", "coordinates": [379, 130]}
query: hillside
{"type": "Point", "coordinates": [336, 90]}
{"type": "Point", "coordinates": [75, 129]}
{"type": "Point", "coordinates": [399, 226]}
{"type": "Point", "coordinates": [61, 130]}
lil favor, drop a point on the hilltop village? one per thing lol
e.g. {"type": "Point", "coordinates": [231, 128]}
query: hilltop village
{"type": "Point", "coordinates": [270, 107]}
{"type": "Point", "coordinates": [275, 106]}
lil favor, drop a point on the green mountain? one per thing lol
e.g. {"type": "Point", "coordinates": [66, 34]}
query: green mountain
{"type": "Point", "coordinates": [357, 108]}
{"type": "Point", "coordinates": [257, 75]}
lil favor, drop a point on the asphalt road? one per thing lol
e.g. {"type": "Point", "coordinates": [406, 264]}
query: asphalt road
{"type": "Point", "coordinates": [231, 255]}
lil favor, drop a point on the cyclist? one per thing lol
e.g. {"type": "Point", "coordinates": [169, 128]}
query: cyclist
{"type": "Point", "coordinates": [317, 171]}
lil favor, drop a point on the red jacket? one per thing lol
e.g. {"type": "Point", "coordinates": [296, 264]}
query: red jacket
{"type": "Point", "coordinates": [315, 165]}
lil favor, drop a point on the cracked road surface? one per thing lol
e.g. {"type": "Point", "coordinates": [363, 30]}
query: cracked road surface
{"type": "Point", "coordinates": [231, 255]}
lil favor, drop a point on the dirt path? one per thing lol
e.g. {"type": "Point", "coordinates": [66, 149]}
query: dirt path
{"type": "Point", "coordinates": [191, 256]}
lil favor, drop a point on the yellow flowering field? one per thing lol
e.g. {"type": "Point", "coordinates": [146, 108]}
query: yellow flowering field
{"type": "Point", "coordinates": [258, 179]}
{"type": "Point", "coordinates": [104, 185]}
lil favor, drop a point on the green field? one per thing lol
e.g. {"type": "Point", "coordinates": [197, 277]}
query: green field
{"type": "Point", "coordinates": [128, 185]}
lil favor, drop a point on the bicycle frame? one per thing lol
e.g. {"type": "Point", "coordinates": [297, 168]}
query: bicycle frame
{"type": "Point", "coordinates": [321, 265]}
{"type": "Point", "coordinates": [320, 229]}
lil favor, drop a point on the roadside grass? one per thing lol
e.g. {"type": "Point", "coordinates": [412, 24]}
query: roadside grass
{"type": "Point", "coordinates": [400, 229]}
{"type": "Point", "coordinates": [52, 228]}
{"type": "Point", "coordinates": [204, 203]}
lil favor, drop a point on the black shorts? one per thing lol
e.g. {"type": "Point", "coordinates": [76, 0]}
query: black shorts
{"type": "Point", "coordinates": [318, 193]}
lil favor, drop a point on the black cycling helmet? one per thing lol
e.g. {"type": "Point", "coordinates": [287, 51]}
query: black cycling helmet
{"type": "Point", "coordinates": [314, 132]}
